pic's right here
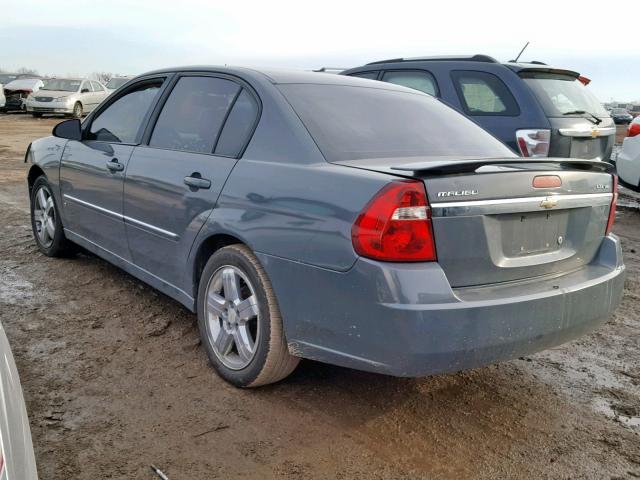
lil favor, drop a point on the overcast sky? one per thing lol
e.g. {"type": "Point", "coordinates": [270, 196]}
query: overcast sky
{"type": "Point", "coordinates": [71, 37]}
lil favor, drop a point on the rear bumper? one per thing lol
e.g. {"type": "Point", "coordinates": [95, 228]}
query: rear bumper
{"type": "Point", "coordinates": [405, 320]}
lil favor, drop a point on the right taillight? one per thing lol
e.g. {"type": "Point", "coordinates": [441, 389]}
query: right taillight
{"type": "Point", "coordinates": [634, 129]}
{"type": "Point", "coordinates": [614, 204]}
{"type": "Point", "coordinates": [395, 226]}
{"type": "Point", "coordinates": [533, 143]}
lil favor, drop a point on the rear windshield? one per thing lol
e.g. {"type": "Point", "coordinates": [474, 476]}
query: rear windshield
{"type": "Point", "coordinates": [351, 123]}
{"type": "Point", "coordinates": [563, 95]}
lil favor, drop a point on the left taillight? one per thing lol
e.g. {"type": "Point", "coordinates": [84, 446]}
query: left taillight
{"type": "Point", "coordinates": [614, 204]}
{"type": "Point", "coordinates": [395, 226]}
{"type": "Point", "coordinates": [533, 143]}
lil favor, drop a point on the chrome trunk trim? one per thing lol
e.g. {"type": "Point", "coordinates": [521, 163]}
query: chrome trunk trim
{"type": "Point", "coordinates": [593, 132]}
{"type": "Point", "coordinates": [516, 205]}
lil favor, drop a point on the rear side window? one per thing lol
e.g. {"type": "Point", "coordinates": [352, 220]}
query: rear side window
{"type": "Point", "coordinates": [369, 75]}
{"type": "Point", "coordinates": [350, 123]}
{"type": "Point", "coordinates": [97, 87]}
{"type": "Point", "coordinates": [239, 126]}
{"type": "Point", "coordinates": [483, 93]}
{"type": "Point", "coordinates": [87, 86]}
{"type": "Point", "coordinates": [193, 114]}
{"type": "Point", "coordinates": [122, 120]}
{"type": "Point", "coordinates": [418, 80]}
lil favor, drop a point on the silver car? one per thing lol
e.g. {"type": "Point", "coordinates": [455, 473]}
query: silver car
{"type": "Point", "coordinates": [17, 460]}
{"type": "Point", "coordinates": [67, 96]}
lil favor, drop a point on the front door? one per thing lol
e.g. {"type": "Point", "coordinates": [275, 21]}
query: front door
{"type": "Point", "coordinates": [174, 181]}
{"type": "Point", "coordinates": [92, 171]}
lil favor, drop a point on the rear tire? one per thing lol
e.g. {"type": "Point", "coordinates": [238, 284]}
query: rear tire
{"type": "Point", "coordinates": [77, 110]}
{"type": "Point", "coordinates": [46, 223]}
{"type": "Point", "coordinates": [239, 320]}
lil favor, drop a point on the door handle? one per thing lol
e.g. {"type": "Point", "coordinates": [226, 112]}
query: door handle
{"type": "Point", "coordinates": [114, 165]}
{"type": "Point", "coordinates": [195, 181]}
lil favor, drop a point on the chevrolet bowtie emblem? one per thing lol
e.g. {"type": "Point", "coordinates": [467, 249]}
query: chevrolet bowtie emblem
{"type": "Point", "coordinates": [548, 203]}
{"type": "Point", "coordinates": [595, 133]}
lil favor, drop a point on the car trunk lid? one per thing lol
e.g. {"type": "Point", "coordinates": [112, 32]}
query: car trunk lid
{"type": "Point", "coordinates": [492, 225]}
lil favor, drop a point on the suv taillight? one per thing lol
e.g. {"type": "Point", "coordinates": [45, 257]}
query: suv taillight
{"type": "Point", "coordinates": [614, 204]}
{"type": "Point", "coordinates": [634, 128]}
{"type": "Point", "coordinates": [533, 143]}
{"type": "Point", "coordinates": [395, 226]}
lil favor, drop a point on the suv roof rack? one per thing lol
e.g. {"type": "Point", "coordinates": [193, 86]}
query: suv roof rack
{"type": "Point", "coordinates": [454, 58]}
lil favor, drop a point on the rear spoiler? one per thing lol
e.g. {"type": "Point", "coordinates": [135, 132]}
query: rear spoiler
{"type": "Point", "coordinates": [446, 167]}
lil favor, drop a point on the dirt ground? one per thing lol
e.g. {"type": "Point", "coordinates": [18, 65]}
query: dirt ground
{"type": "Point", "coordinates": [115, 380]}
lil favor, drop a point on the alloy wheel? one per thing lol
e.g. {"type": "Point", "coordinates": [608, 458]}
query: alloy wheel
{"type": "Point", "coordinates": [232, 317]}
{"type": "Point", "coordinates": [44, 216]}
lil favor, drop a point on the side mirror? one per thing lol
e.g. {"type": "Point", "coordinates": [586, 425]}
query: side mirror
{"type": "Point", "coordinates": [84, 90]}
{"type": "Point", "coordinates": [69, 129]}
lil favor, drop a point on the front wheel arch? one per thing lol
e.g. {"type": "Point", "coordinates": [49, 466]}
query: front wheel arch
{"type": "Point", "coordinates": [34, 172]}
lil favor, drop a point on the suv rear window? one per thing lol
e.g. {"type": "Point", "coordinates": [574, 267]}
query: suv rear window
{"type": "Point", "coordinates": [561, 94]}
{"type": "Point", "coordinates": [483, 93]}
{"type": "Point", "coordinates": [351, 123]}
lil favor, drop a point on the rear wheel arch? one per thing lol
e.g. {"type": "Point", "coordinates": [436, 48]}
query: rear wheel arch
{"type": "Point", "coordinates": [207, 248]}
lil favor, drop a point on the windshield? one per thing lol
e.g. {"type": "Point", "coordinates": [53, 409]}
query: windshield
{"type": "Point", "coordinates": [116, 83]}
{"type": "Point", "coordinates": [62, 85]}
{"type": "Point", "coordinates": [619, 111]}
{"type": "Point", "coordinates": [562, 94]}
{"type": "Point", "coordinates": [350, 123]}
{"type": "Point", "coordinates": [7, 77]}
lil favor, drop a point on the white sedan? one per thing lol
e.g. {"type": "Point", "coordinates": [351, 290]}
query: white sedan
{"type": "Point", "coordinates": [628, 161]}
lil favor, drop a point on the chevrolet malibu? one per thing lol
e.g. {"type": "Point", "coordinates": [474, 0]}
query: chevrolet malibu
{"type": "Point", "coordinates": [349, 221]}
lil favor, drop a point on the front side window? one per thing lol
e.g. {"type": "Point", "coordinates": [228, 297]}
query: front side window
{"type": "Point", "coordinates": [193, 114]}
{"type": "Point", "coordinates": [121, 121]}
{"type": "Point", "coordinates": [418, 80]}
{"type": "Point", "coordinates": [368, 75]}
{"type": "Point", "coordinates": [351, 123]}
{"type": "Point", "coordinates": [483, 93]}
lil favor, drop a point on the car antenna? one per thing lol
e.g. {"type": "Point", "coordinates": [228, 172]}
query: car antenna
{"type": "Point", "coordinates": [523, 49]}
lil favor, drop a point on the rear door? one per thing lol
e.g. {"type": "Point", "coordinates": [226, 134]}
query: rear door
{"type": "Point", "coordinates": [173, 182]}
{"type": "Point", "coordinates": [92, 170]}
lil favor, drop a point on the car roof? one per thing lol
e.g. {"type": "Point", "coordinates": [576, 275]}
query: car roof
{"type": "Point", "coordinates": [285, 76]}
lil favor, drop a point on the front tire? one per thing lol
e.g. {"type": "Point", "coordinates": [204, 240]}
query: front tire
{"type": "Point", "coordinates": [46, 223]}
{"type": "Point", "coordinates": [77, 110]}
{"type": "Point", "coordinates": [239, 320]}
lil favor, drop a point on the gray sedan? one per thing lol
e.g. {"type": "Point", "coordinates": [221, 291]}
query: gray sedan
{"type": "Point", "coordinates": [67, 96]}
{"type": "Point", "coordinates": [339, 219]}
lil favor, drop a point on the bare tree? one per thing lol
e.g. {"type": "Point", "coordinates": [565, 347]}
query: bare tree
{"type": "Point", "coordinates": [102, 77]}
{"type": "Point", "coordinates": [27, 71]}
